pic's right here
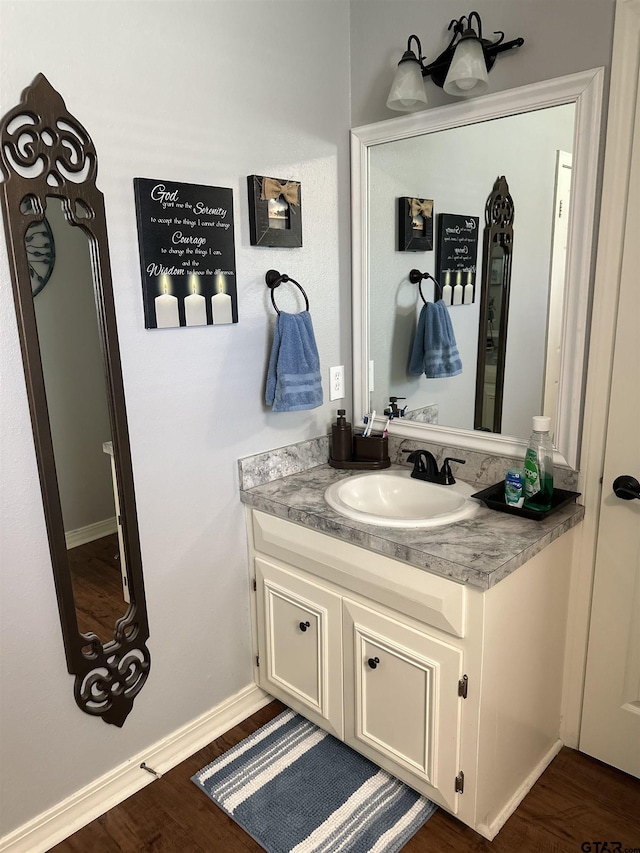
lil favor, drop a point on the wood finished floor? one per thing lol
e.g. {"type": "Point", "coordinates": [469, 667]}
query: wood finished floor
{"type": "Point", "coordinates": [97, 585]}
{"type": "Point", "coordinates": [576, 801]}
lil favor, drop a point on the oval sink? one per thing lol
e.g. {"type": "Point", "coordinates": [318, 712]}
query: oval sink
{"type": "Point", "coordinates": [394, 499]}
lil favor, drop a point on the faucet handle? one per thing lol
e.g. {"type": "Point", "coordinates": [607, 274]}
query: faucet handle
{"type": "Point", "coordinates": [447, 477]}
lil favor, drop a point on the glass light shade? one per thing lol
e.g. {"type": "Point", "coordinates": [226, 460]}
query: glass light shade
{"type": "Point", "coordinates": [467, 73]}
{"type": "Point", "coordinates": [407, 90]}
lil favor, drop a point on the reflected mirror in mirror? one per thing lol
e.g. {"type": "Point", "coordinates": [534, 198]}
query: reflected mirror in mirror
{"type": "Point", "coordinates": [495, 290]}
{"type": "Point", "coordinates": [492, 341]}
{"type": "Point", "coordinates": [454, 167]}
{"type": "Point", "coordinates": [73, 368]}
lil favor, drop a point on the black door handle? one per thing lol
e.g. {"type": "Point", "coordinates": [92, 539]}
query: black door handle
{"type": "Point", "coordinates": [373, 662]}
{"type": "Point", "coordinates": [626, 487]}
{"type": "Point", "coordinates": [304, 625]}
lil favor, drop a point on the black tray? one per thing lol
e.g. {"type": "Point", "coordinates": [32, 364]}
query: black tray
{"type": "Point", "coordinates": [493, 497]}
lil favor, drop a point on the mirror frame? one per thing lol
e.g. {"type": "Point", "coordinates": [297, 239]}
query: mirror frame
{"type": "Point", "coordinates": [45, 152]}
{"type": "Point", "coordinates": [584, 89]}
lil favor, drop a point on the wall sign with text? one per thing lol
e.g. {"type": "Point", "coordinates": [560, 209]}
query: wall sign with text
{"type": "Point", "coordinates": [187, 254]}
{"type": "Point", "coordinates": [457, 257]}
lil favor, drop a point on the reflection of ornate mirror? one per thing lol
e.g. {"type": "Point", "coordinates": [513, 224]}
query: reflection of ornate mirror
{"type": "Point", "coordinates": [41, 253]}
{"type": "Point", "coordinates": [384, 301]}
{"type": "Point", "coordinates": [74, 382]}
{"type": "Point", "coordinates": [494, 308]}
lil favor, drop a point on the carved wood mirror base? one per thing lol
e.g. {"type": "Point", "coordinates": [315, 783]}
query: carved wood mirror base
{"type": "Point", "coordinates": [48, 158]}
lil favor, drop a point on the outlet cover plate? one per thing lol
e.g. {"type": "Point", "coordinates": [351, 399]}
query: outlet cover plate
{"type": "Point", "coordinates": [336, 382]}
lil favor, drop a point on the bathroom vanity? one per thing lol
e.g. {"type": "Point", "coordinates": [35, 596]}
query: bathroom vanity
{"type": "Point", "coordinates": [436, 653]}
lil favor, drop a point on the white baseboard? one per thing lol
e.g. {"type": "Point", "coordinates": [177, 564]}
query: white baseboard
{"type": "Point", "coordinates": [70, 815]}
{"type": "Point", "coordinates": [90, 532]}
{"type": "Point", "coordinates": [490, 830]}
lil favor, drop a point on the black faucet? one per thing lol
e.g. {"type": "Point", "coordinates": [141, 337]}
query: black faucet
{"type": "Point", "coordinates": [393, 409]}
{"type": "Point", "coordinates": [425, 467]}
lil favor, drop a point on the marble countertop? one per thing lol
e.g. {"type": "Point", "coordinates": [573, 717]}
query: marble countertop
{"type": "Point", "coordinates": [480, 551]}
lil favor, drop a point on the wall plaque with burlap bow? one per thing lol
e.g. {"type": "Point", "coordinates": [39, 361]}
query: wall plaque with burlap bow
{"type": "Point", "coordinates": [275, 212]}
{"type": "Point", "coordinates": [415, 224]}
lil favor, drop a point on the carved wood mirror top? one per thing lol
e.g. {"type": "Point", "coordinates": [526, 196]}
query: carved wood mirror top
{"type": "Point", "coordinates": [49, 161]}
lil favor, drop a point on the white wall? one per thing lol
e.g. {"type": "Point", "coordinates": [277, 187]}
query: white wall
{"type": "Point", "coordinates": [201, 92]}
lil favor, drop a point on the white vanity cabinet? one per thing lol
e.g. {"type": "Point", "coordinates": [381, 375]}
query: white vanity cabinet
{"type": "Point", "coordinates": [453, 689]}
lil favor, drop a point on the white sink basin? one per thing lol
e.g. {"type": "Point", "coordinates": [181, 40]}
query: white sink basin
{"type": "Point", "coordinates": [394, 499]}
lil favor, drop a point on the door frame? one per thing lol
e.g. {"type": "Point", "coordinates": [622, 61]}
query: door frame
{"type": "Point", "coordinates": [613, 214]}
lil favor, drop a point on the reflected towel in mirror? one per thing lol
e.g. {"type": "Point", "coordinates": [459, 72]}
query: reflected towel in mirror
{"type": "Point", "coordinates": [293, 377]}
{"type": "Point", "coordinates": [435, 352]}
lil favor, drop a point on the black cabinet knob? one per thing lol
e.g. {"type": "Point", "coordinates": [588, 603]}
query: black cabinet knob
{"type": "Point", "coordinates": [626, 488]}
{"type": "Point", "coordinates": [304, 626]}
{"type": "Point", "coordinates": [373, 662]}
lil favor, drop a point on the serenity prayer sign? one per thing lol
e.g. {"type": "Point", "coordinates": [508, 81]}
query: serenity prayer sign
{"type": "Point", "coordinates": [187, 254]}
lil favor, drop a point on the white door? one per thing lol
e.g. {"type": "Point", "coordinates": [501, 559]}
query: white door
{"type": "Point", "coordinates": [555, 309]}
{"type": "Point", "coordinates": [611, 710]}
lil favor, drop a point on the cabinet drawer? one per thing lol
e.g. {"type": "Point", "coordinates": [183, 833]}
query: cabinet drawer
{"type": "Point", "coordinates": [433, 600]}
{"type": "Point", "coordinates": [299, 627]}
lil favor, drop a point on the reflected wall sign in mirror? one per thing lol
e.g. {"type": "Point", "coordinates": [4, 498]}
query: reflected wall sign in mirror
{"type": "Point", "coordinates": [494, 308]}
{"type": "Point", "coordinates": [453, 154]}
{"type": "Point", "coordinates": [72, 368]}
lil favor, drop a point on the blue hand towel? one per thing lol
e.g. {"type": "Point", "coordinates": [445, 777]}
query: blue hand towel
{"type": "Point", "coordinates": [293, 377]}
{"type": "Point", "coordinates": [435, 352]}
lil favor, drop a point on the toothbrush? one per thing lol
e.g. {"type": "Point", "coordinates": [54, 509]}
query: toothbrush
{"type": "Point", "coordinates": [385, 431]}
{"type": "Point", "coordinates": [370, 426]}
{"type": "Point", "coordinates": [365, 420]}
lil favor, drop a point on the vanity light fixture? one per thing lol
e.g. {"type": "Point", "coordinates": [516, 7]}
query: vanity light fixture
{"type": "Point", "coordinates": [461, 69]}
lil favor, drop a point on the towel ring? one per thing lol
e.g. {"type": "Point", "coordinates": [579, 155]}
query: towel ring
{"type": "Point", "coordinates": [274, 279]}
{"type": "Point", "coordinates": [416, 277]}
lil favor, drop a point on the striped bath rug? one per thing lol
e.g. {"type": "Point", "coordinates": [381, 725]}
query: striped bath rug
{"type": "Point", "coordinates": [296, 789]}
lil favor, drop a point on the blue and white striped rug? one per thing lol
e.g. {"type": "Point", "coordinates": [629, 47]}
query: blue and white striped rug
{"type": "Point", "coordinates": [296, 789]}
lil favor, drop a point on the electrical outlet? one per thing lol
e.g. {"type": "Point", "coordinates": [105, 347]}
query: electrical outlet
{"type": "Point", "coordinates": [336, 382]}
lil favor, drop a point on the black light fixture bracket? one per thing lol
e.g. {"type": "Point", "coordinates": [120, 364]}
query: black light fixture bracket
{"type": "Point", "coordinates": [462, 29]}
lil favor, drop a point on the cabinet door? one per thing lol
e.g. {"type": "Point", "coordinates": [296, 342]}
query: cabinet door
{"type": "Point", "coordinates": [300, 644]}
{"type": "Point", "coordinates": [402, 708]}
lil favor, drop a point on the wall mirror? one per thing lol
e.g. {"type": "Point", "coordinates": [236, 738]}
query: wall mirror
{"type": "Point", "coordinates": [453, 154]}
{"type": "Point", "coordinates": [56, 233]}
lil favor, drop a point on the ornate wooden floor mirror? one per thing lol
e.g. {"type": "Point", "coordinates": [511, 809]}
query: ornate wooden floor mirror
{"type": "Point", "coordinates": [51, 208]}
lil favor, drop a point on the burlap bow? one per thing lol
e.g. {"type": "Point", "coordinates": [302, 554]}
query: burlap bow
{"type": "Point", "coordinates": [271, 188]}
{"type": "Point", "coordinates": [423, 206]}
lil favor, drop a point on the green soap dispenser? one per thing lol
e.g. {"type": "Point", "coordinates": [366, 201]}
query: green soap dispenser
{"type": "Point", "coordinates": [538, 467]}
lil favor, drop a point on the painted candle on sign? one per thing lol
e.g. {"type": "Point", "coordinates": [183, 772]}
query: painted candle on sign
{"type": "Point", "coordinates": [221, 303]}
{"type": "Point", "coordinates": [195, 306]}
{"type": "Point", "coordinates": [166, 306]}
